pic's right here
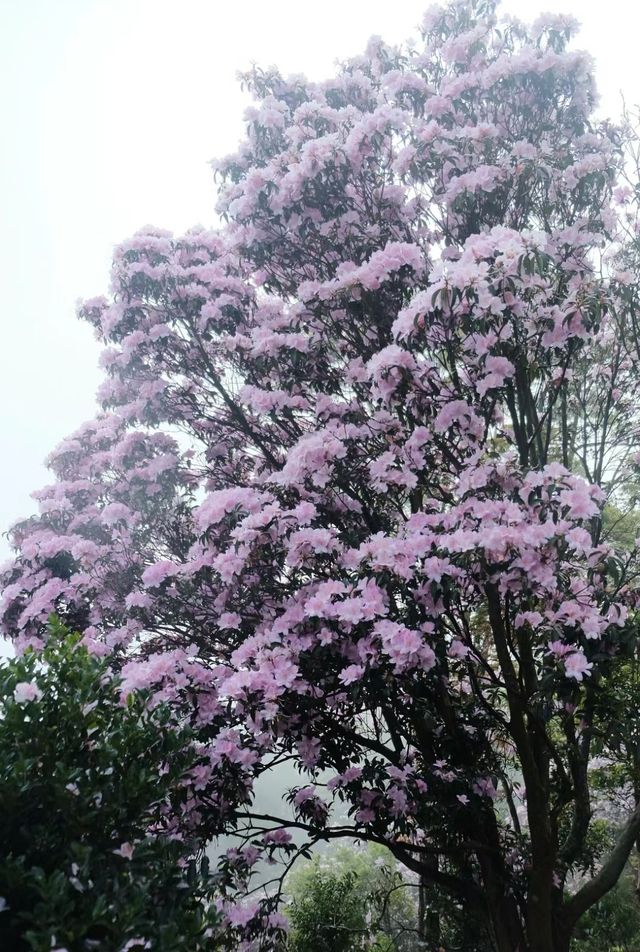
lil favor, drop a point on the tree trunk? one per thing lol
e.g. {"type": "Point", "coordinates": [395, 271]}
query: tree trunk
{"type": "Point", "coordinates": [562, 939]}
{"type": "Point", "coordinates": [508, 934]}
{"type": "Point", "coordinates": [540, 931]}
{"type": "Point", "coordinates": [505, 926]}
{"type": "Point", "coordinates": [429, 930]}
{"type": "Point", "coordinates": [422, 912]}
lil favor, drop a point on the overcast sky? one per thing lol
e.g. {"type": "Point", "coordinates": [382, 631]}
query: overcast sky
{"type": "Point", "coordinates": [110, 112]}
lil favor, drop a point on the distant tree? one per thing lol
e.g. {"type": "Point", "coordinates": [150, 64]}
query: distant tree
{"type": "Point", "coordinates": [385, 901]}
{"type": "Point", "coordinates": [327, 913]}
{"type": "Point", "coordinates": [346, 505]}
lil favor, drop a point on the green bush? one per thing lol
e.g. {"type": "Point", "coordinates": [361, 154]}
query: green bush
{"type": "Point", "coordinates": [329, 914]}
{"type": "Point", "coordinates": [87, 789]}
{"type": "Point", "coordinates": [355, 899]}
{"type": "Point", "coordinates": [613, 925]}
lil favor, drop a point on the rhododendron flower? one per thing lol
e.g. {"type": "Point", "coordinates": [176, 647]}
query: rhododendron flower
{"type": "Point", "coordinates": [26, 691]}
{"type": "Point", "coordinates": [560, 649]}
{"type": "Point", "coordinates": [229, 620]}
{"type": "Point", "coordinates": [576, 666]}
{"type": "Point", "coordinates": [304, 794]}
{"type": "Point", "coordinates": [278, 837]}
{"type": "Point", "coordinates": [485, 787]}
{"type": "Point", "coordinates": [241, 915]}
{"type": "Point", "coordinates": [156, 574]}
{"type": "Point", "coordinates": [125, 850]}
{"type": "Point", "coordinates": [353, 672]}
{"type": "Point", "coordinates": [457, 649]}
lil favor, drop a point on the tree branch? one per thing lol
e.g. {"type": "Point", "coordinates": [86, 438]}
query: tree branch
{"type": "Point", "coordinates": [609, 873]}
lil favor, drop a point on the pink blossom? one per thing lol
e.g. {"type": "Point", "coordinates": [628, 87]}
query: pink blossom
{"type": "Point", "coordinates": [457, 649]}
{"type": "Point", "coordinates": [534, 619]}
{"type": "Point", "coordinates": [485, 787]}
{"type": "Point", "coordinates": [242, 915]}
{"type": "Point", "coordinates": [224, 501]}
{"type": "Point", "coordinates": [26, 691]}
{"type": "Point", "coordinates": [155, 574]}
{"type": "Point", "coordinates": [229, 620]}
{"type": "Point", "coordinates": [576, 666]}
{"type": "Point", "coordinates": [125, 850]}
{"type": "Point", "coordinates": [353, 672]}
{"type": "Point", "coordinates": [304, 794]}
{"type": "Point", "coordinates": [278, 837]}
{"type": "Point", "coordinates": [580, 502]}
{"type": "Point", "coordinates": [560, 649]}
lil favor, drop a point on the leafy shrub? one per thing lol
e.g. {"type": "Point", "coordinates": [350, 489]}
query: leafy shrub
{"type": "Point", "coordinates": [329, 914]}
{"type": "Point", "coordinates": [613, 925]}
{"type": "Point", "coordinates": [89, 787]}
{"type": "Point", "coordinates": [380, 904]}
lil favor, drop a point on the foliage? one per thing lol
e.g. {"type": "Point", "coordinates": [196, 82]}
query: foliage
{"type": "Point", "coordinates": [88, 787]}
{"type": "Point", "coordinates": [613, 925]}
{"type": "Point", "coordinates": [351, 501]}
{"type": "Point", "coordinates": [328, 914]}
{"type": "Point", "coordinates": [389, 903]}
{"type": "Point", "coordinates": [380, 899]}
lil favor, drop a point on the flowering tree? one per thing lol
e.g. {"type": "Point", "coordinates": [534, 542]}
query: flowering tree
{"type": "Point", "coordinates": [351, 496]}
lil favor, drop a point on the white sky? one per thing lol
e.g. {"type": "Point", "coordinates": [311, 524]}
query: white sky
{"type": "Point", "coordinates": [110, 110]}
